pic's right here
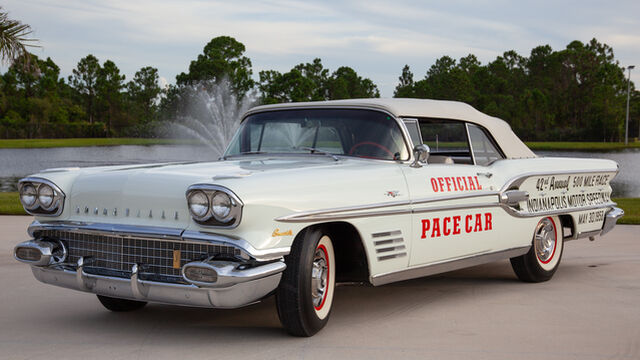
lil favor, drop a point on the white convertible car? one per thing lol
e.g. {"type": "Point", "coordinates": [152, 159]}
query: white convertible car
{"type": "Point", "coordinates": [311, 194]}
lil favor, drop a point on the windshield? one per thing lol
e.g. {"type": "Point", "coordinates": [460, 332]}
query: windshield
{"type": "Point", "coordinates": [351, 132]}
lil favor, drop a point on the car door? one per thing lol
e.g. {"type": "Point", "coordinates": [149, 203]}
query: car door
{"type": "Point", "coordinates": [453, 195]}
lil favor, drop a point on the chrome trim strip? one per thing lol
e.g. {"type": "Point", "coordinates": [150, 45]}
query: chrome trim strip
{"type": "Point", "coordinates": [476, 194]}
{"type": "Point", "coordinates": [113, 229]}
{"type": "Point", "coordinates": [348, 208]}
{"type": "Point", "coordinates": [298, 219]}
{"type": "Point", "coordinates": [305, 216]}
{"type": "Point", "coordinates": [473, 156]}
{"type": "Point", "coordinates": [393, 256]}
{"type": "Point", "coordinates": [446, 265]}
{"type": "Point", "coordinates": [519, 179]}
{"type": "Point", "coordinates": [301, 217]}
{"type": "Point", "coordinates": [455, 207]}
{"type": "Point", "coordinates": [522, 214]}
{"type": "Point", "coordinates": [388, 241]}
{"type": "Point", "coordinates": [387, 249]}
{"type": "Point", "coordinates": [162, 233]}
{"type": "Point", "coordinates": [333, 213]}
{"type": "Point", "coordinates": [386, 233]}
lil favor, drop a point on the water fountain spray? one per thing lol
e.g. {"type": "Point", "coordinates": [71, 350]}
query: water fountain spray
{"type": "Point", "coordinates": [212, 113]}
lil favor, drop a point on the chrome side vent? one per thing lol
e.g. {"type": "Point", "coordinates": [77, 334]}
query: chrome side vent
{"type": "Point", "coordinates": [389, 245]}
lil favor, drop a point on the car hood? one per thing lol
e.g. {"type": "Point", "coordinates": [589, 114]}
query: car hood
{"type": "Point", "coordinates": [155, 194]}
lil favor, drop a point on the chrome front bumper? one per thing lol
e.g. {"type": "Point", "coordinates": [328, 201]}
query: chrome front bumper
{"type": "Point", "coordinates": [242, 293]}
{"type": "Point", "coordinates": [254, 275]}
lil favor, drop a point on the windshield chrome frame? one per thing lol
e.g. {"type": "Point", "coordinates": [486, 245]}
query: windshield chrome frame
{"type": "Point", "coordinates": [403, 130]}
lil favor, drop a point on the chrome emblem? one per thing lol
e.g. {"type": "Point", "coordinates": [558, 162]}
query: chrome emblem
{"type": "Point", "coordinates": [392, 193]}
{"type": "Point", "coordinates": [277, 232]}
{"type": "Point", "coordinates": [176, 259]}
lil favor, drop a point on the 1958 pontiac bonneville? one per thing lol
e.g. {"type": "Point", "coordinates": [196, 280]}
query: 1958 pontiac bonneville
{"type": "Point", "coordinates": [311, 194]}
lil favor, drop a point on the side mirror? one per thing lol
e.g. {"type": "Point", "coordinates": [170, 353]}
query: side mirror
{"type": "Point", "coordinates": [420, 155]}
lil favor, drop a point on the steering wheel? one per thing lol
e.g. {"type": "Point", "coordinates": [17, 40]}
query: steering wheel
{"type": "Point", "coordinates": [381, 147]}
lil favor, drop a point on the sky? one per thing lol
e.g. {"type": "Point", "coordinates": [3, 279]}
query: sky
{"type": "Point", "coordinates": [376, 38]}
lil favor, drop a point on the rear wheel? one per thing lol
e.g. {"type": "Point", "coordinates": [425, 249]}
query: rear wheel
{"type": "Point", "coordinates": [120, 305]}
{"type": "Point", "coordinates": [305, 295]}
{"type": "Point", "coordinates": [543, 259]}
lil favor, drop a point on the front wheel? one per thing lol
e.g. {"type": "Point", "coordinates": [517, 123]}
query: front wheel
{"type": "Point", "coordinates": [305, 295]}
{"type": "Point", "coordinates": [543, 259]}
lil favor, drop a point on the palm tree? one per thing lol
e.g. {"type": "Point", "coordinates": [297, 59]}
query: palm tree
{"type": "Point", "coordinates": [13, 39]}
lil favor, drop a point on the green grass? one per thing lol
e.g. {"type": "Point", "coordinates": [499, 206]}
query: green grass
{"type": "Point", "coordinates": [10, 205]}
{"type": "Point", "coordinates": [631, 207]}
{"type": "Point", "coordinates": [582, 146]}
{"type": "Point", "coordinates": [78, 142]}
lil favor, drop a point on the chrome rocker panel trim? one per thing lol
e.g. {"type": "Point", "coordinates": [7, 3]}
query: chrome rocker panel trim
{"type": "Point", "coordinates": [447, 265]}
{"type": "Point", "coordinates": [162, 233]}
{"type": "Point", "coordinates": [243, 292]}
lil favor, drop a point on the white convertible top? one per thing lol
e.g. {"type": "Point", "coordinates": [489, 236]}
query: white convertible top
{"type": "Point", "coordinates": [510, 144]}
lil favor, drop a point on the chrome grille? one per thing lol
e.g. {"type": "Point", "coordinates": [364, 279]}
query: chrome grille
{"type": "Point", "coordinates": [120, 253]}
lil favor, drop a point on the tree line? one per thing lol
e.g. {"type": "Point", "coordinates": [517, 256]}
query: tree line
{"type": "Point", "coordinates": [577, 93]}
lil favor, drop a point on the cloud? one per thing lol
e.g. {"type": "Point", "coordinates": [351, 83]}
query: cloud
{"type": "Point", "coordinates": [375, 37]}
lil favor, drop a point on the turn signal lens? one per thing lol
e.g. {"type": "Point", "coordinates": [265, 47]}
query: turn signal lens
{"type": "Point", "coordinates": [200, 274]}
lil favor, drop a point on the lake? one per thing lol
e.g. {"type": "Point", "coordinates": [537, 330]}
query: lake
{"type": "Point", "coordinates": [17, 163]}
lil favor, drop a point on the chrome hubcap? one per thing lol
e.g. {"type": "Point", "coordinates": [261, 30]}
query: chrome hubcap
{"type": "Point", "coordinates": [319, 272]}
{"type": "Point", "coordinates": [545, 240]}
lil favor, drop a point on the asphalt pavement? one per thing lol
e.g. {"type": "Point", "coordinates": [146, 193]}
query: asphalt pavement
{"type": "Point", "coordinates": [589, 310]}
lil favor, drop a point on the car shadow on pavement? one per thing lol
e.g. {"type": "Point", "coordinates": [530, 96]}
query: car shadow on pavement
{"type": "Point", "coordinates": [354, 304]}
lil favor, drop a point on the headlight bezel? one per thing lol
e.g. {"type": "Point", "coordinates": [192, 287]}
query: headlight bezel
{"type": "Point", "coordinates": [37, 208]}
{"type": "Point", "coordinates": [211, 219]}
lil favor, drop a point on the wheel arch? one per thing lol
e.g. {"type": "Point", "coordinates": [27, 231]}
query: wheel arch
{"type": "Point", "coordinates": [352, 264]}
{"type": "Point", "coordinates": [566, 221]}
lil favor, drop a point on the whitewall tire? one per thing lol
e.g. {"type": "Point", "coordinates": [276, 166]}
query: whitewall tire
{"type": "Point", "coordinates": [304, 297]}
{"type": "Point", "coordinates": [543, 259]}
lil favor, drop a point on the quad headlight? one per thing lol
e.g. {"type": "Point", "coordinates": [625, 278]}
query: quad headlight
{"type": "Point", "coordinates": [40, 197]}
{"type": "Point", "coordinates": [221, 206]}
{"type": "Point", "coordinates": [214, 205]}
{"type": "Point", "coordinates": [198, 205]}
{"type": "Point", "coordinates": [29, 196]}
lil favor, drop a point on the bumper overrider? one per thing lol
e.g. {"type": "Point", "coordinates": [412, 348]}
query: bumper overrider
{"type": "Point", "coordinates": [109, 260]}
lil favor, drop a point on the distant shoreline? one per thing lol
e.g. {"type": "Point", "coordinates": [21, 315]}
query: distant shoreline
{"type": "Point", "coordinates": [83, 142]}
